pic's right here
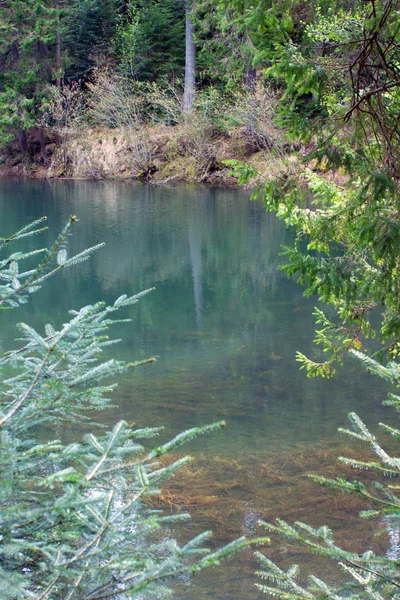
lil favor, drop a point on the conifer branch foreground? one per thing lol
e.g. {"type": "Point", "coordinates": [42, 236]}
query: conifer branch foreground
{"type": "Point", "coordinates": [75, 524]}
{"type": "Point", "coordinates": [340, 76]}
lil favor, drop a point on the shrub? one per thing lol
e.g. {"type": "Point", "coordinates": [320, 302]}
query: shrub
{"type": "Point", "coordinates": [62, 111]}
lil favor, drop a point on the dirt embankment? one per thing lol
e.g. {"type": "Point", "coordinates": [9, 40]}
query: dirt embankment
{"type": "Point", "coordinates": [156, 154]}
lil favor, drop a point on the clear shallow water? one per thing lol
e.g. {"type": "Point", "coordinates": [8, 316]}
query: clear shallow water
{"type": "Point", "coordinates": [225, 323]}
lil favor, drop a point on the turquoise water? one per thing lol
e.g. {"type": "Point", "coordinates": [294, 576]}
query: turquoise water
{"type": "Point", "coordinates": [225, 324]}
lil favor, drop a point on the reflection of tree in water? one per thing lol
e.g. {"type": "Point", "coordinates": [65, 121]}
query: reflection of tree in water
{"type": "Point", "coordinates": [194, 235]}
{"type": "Point", "coordinates": [224, 320]}
{"type": "Point", "coordinates": [226, 324]}
{"type": "Point", "coordinates": [146, 230]}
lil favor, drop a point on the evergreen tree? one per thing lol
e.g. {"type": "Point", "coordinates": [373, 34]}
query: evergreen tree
{"type": "Point", "coordinates": [27, 61]}
{"type": "Point", "coordinates": [351, 256]}
{"type": "Point", "coordinates": [340, 80]}
{"type": "Point", "coordinates": [75, 523]}
{"type": "Point", "coordinates": [90, 28]}
{"type": "Point", "coordinates": [150, 40]}
{"type": "Point", "coordinates": [368, 576]}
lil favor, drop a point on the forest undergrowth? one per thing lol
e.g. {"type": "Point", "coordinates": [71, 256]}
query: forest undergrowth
{"type": "Point", "coordinates": [119, 130]}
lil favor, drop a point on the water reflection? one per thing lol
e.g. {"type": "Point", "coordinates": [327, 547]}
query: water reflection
{"type": "Point", "coordinates": [225, 323]}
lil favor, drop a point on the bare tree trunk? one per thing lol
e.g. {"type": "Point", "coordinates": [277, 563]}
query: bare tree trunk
{"type": "Point", "coordinates": [43, 152]}
{"type": "Point", "coordinates": [190, 61]}
{"type": "Point", "coordinates": [251, 121]}
{"type": "Point", "coordinates": [58, 49]}
{"type": "Point", "coordinates": [23, 141]}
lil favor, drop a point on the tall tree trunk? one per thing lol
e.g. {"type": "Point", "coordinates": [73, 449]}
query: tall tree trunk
{"type": "Point", "coordinates": [251, 120]}
{"type": "Point", "coordinates": [23, 141]}
{"type": "Point", "coordinates": [58, 48]}
{"type": "Point", "coordinates": [43, 152]}
{"type": "Point", "coordinates": [190, 61]}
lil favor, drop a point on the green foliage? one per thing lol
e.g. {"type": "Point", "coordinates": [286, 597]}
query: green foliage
{"type": "Point", "coordinates": [346, 251]}
{"type": "Point", "coordinates": [89, 30]}
{"type": "Point", "coordinates": [221, 46]}
{"type": "Point", "coordinates": [27, 60]}
{"type": "Point", "coordinates": [75, 522]}
{"type": "Point", "coordinates": [340, 78]}
{"type": "Point", "coordinates": [17, 113]}
{"type": "Point", "coordinates": [18, 285]}
{"type": "Point", "coordinates": [235, 36]}
{"type": "Point", "coordinates": [370, 577]}
{"type": "Point", "coordinates": [150, 40]}
{"type": "Point", "coordinates": [342, 69]}
{"type": "Point", "coordinates": [125, 39]}
{"type": "Point", "coordinates": [364, 576]}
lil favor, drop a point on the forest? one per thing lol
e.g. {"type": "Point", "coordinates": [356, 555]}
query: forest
{"type": "Point", "coordinates": [157, 91]}
{"type": "Point", "coordinates": [298, 101]}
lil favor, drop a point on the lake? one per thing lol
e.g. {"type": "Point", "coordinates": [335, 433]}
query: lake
{"type": "Point", "coordinates": [225, 324]}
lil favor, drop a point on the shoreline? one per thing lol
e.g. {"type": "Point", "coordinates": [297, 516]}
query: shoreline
{"type": "Point", "coordinates": [156, 155]}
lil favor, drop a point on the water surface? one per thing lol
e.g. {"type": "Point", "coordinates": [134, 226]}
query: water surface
{"type": "Point", "coordinates": [225, 324]}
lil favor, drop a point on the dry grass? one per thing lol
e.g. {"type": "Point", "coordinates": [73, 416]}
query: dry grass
{"type": "Point", "coordinates": [96, 153]}
{"type": "Point", "coordinates": [191, 151]}
{"type": "Point", "coordinates": [129, 136]}
{"type": "Point", "coordinates": [183, 152]}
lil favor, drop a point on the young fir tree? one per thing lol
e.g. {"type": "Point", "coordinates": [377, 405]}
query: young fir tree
{"type": "Point", "coordinates": [368, 575]}
{"type": "Point", "coordinates": [74, 522]}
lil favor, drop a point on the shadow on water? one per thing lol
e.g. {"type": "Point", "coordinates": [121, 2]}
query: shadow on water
{"type": "Point", "coordinates": [225, 323]}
